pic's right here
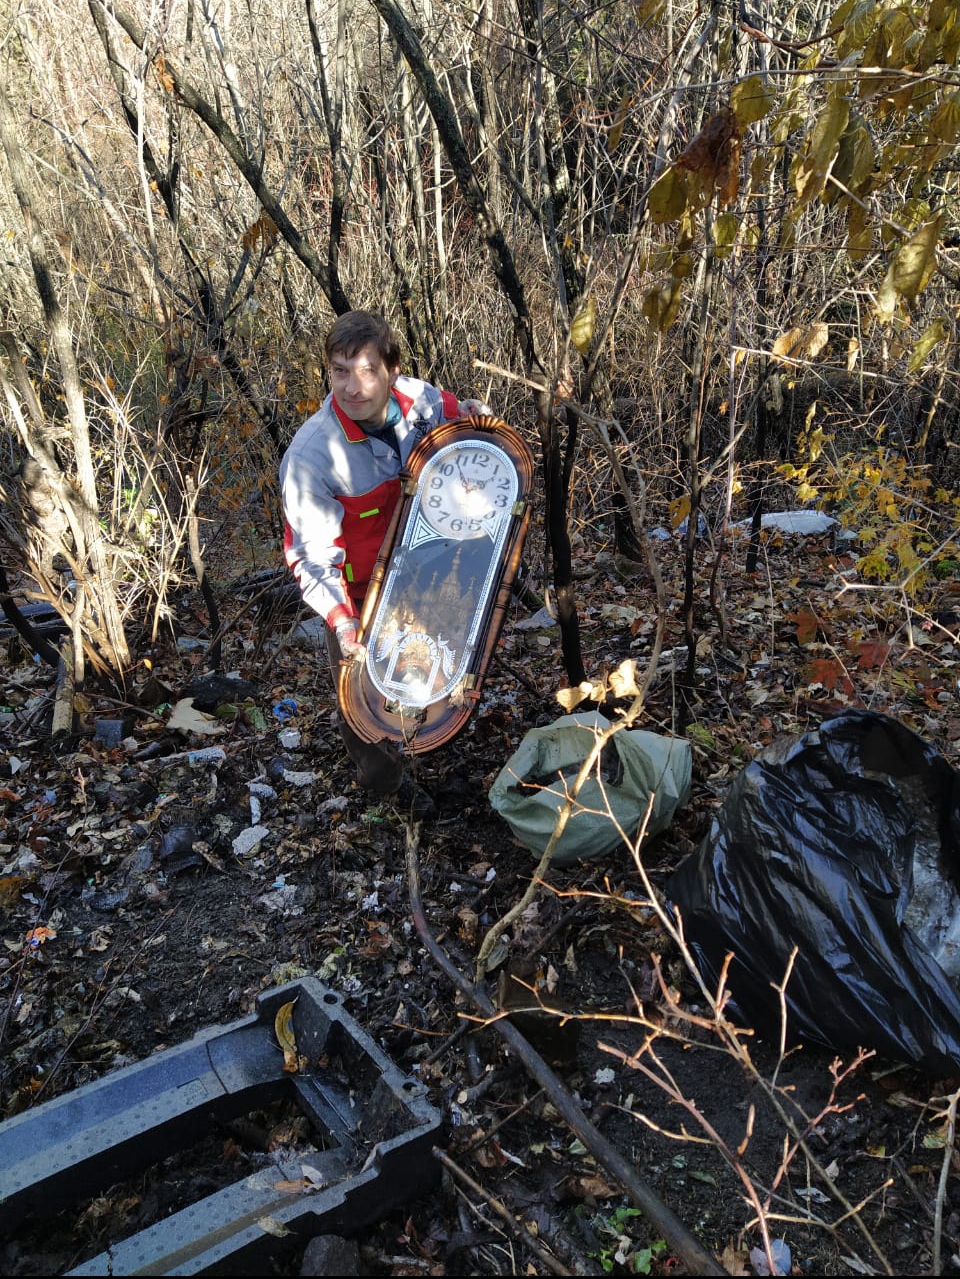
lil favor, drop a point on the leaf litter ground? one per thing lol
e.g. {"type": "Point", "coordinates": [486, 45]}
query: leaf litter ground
{"type": "Point", "coordinates": [131, 921]}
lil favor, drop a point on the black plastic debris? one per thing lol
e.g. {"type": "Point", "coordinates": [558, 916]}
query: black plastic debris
{"type": "Point", "coordinates": [843, 843]}
{"type": "Point", "coordinates": [373, 1134]}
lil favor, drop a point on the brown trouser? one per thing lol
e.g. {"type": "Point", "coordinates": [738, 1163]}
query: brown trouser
{"type": "Point", "coordinates": [379, 765]}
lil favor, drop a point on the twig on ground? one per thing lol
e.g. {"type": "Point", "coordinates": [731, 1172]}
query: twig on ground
{"type": "Point", "coordinates": [515, 1228]}
{"type": "Point", "coordinates": [687, 1247]}
{"type": "Point", "coordinates": [949, 1137]}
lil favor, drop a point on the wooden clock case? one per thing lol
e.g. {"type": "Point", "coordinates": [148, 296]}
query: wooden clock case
{"type": "Point", "coordinates": [435, 606]}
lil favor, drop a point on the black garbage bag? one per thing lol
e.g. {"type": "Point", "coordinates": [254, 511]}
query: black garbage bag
{"type": "Point", "coordinates": [844, 843]}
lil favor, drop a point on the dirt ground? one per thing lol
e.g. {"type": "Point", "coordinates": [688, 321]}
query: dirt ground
{"type": "Point", "coordinates": [131, 922]}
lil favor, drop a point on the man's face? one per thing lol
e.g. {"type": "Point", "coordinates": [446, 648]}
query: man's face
{"type": "Point", "coordinates": [361, 384]}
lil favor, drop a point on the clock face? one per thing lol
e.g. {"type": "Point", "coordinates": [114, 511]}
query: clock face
{"type": "Point", "coordinates": [467, 489]}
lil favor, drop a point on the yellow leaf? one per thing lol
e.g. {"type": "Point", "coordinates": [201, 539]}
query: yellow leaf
{"type": "Point", "coordinates": [623, 681]}
{"type": "Point", "coordinates": [945, 121]}
{"type": "Point", "coordinates": [283, 1028]}
{"type": "Point", "coordinates": [810, 173]}
{"type": "Point", "coordinates": [856, 159]}
{"type": "Point", "coordinates": [932, 336]}
{"type": "Point", "coordinates": [936, 1139]}
{"type": "Point", "coordinates": [915, 260]}
{"type": "Point", "coordinates": [681, 268]}
{"type": "Point", "coordinates": [801, 343]}
{"type": "Point", "coordinates": [619, 120]}
{"type": "Point", "coordinates": [660, 306]}
{"type": "Point", "coordinates": [571, 697]}
{"type": "Point", "coordinates": [668, 196]}
{"type": "Point", "coordinates": [857, 26]}
{"type": "Point", "coordinates": [581, 330]}
{"type": "Point", "coordinates": [751, 99]}
{"type": "Point", "coordinates": [679, 510]}
{"type": "Point", "coordinates": [909, 271]}
{"type": "Point", "coordinates": [724, 232]}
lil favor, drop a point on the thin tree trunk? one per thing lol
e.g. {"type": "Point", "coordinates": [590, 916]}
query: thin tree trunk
{"type": "Point", "coordinates": [91, 552]}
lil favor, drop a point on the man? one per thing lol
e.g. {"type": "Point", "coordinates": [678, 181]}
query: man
{"type": "Point", "coordinates": [340, 483]}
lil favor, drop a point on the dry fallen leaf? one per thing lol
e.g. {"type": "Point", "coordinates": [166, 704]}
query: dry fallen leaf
{"type": "Point", "coordinates": [273, 1227]}
{"type": "Point", "coordinates": [188, 719]}
{"type": "Point", "coordinates": [283, 1027]}
{"type": "Point", "coordinates": [37, 936]}
{"type": "Point", "coordinates": [10, 886]}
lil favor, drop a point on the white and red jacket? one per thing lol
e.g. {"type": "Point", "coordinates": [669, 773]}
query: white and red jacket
{"type": "Point", "coordinates": [339, 489]}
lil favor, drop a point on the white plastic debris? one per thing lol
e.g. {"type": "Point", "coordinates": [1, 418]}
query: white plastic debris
{"type": "Point", "coordinates": [296, 778]}
{"type": "Point", "coordinates": [335, 804]}
{"type": "Point", "coordinates": [206, 755]}
{"type": "Point", "coordinates": [248, 841]}
{"type": "Point", "coordinates": [806, 522]}
{"type": "Point", "coordinates": [542, 620]}
{"type": "Point", "coordinates": [779, 1255]}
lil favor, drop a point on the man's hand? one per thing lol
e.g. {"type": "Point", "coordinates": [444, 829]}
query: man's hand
{"type": "Point", "coordinates": [474, 408]}
{"type": "Point", "coordinates": [350, 646]}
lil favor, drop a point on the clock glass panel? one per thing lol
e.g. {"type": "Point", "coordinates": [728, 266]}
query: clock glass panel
{"type": "Point", "coordinates": [443, 570]}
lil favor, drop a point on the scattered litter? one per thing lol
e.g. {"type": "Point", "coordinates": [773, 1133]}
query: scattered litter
{"type": "Point", "coordinates": [779, 1255]}
{"type": "Point", "coordinates": [313, 628]}
{"type": "Point", "coordinates": [177, 848]}
{"type": "Point", "coordinates": [248, 841]}
{"type": "Point", "coordinates": [111, 732]}
{"type": "Point", "coordinates": [336, 803]}
{"type": "Point", "coordinates": [542, 620]}
{"type": "Point", "coordinates": [261, 790]}
{"type": "Point", "coordinates": [37, 936]}
{"type": "Point", "coordinates": [812, 1195]}
{"type": "Point", "coordinates": [289, 738]}
{"type": "Point", "coordinates": [207, 692]}
{"type": "Point", "coordinates": [703, 528]}
{"type": "Point", "coordinates": [105, 900]}
{"type": "Point", "coordinates": [843, 846]}
{"type": "Point", "coordinates": [296, 778]}
{"type": "Point", "coordinates": [285, 709]}
{"type": "Point", "coordinates": [282, 899]}
{"type": "Point", "coordinates": [807, 522]}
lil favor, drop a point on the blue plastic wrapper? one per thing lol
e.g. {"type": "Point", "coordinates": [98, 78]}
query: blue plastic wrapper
{"type": "Point", "coordinates": [285, 710]}
{"type": "Point", "coordinates": [843, 843]}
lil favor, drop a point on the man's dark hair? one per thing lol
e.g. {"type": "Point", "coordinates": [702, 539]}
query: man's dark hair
{"type": "Point", "coordinates": [356, 329]}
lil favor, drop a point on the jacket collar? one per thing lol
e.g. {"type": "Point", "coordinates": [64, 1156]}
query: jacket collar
{"type": "Point", "coordinates": [356, 433]}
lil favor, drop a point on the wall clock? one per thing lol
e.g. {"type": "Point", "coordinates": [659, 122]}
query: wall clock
{"type": "Point", "coordinates": [440, 588]}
